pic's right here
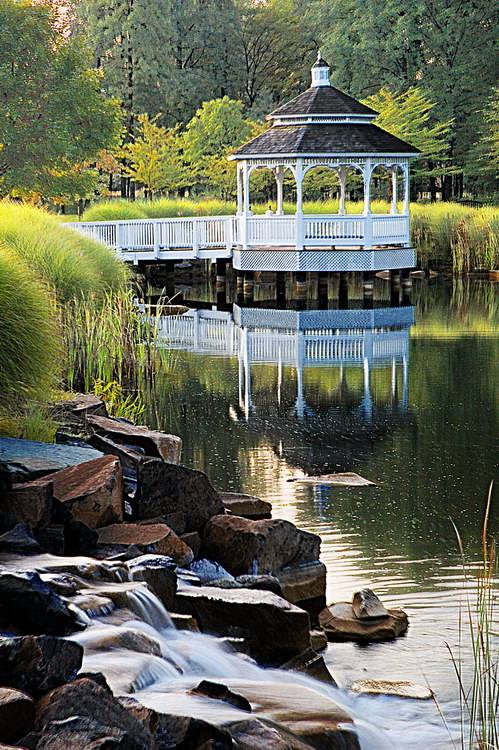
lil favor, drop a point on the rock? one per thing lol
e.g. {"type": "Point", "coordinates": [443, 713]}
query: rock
{"type": "Point", "coordinates": [243, 546]}
{"type": "Point", "coordinates": [246, 506]}
{"type": "Point", "coordinates": [274, 628]}
{"type": "Point", "coordinates": [220, 692]}
{"type": "Point", "coordinates": [311, 663]}
{"type": "Point", "coordinates": [132, 640]}
{"type": "Point", "coordinates": [130, 459]}
{"type": "Point", "coordinates": [151, 538]}
{"type": "Point", "coordinates": [29, 504]}
{"type": "Point", "coordinates": [19, 541]}
{"type": "Point", "coordinates": [83, 715]}
{"type": "Point", "coordinates": [52, 538]}
{"type": "Point", "coordinates": [62, 584]}
{"type": "Point", "coordinates": [17, 714]}
{"type": "Point", "coordinates": [207, 571]}
{"type": "Point", "coordinates": [167, 488]}
{"type": "Point", "coordinates": [38, 663]}
{"type": "Point", "coordinates": [312, 717]}
{"type": "Point", "coordinates": [184, 622]}
{"type": "Point", "coordinates": [92, 491]}
{"type": "Point", "coordinates": [305, 585]}
{"type": "Point", "coordinates": [94, 605]}
{"type": "Point", "coordinates": [348, 479]}
{"type": "Point", "coordinates": [85, 404]}
{"type": "Point", "coordinates": [340, 624]}
{"type": "Point", "coordinates": [79, 539]}
{"type": "Point", "coordinates": [193, 540]}
{"type": "Point", "coordinates": [25, 460]}
{"type": "Point", "coordinates": [159, 574]}
{"type": "Point", "coordinates": [253, 734]}
{"type": "Point", "coordinates": [398, 688]}
{"type": "Point", "coordinates": [155, 444]}
{"type": "Point", "coordinates": [30, 605]}
{"type": "Point", "coordinates": [318, 639]}
{"type": "Point", "coordinates": [367, 606]}
{"type": "Point", "coordinates": [264, 583]}
{"type": "Point", "coordinates": [178, 732]}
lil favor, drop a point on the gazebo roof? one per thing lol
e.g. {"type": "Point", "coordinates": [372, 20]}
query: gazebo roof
{"type": "Point", "coordinates": [323, 121]}
{"type": "Point", "coordinates": [325, 140]}
{"type": "Point", "coordinates": [322, 100]}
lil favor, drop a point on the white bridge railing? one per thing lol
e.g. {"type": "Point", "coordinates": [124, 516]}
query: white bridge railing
{"type": "Point", "coordinates": [217, 236]}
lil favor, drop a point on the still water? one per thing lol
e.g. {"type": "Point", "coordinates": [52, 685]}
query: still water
{"type": "Point", "coordinates": [405, 396]}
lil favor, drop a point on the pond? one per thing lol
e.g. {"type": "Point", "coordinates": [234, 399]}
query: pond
{"type": "Point", "coordinates": [405, 396]}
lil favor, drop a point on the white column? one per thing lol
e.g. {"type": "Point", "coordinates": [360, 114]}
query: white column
{"type": "Point", "coordinates": [299, 204]}
{"type": "Point", "coordinates": [405, 209]}
{"type": "Point", "coordinates": [246, 205]}
{"type": "Point", "coordinates": [342, 174]}
{"type": "Point", "coordinates": [367, 171]}
{"type": "Point", "coordinates": [239, 180]}
{"type": "Point", "coordinates": [279, 178]}
{"type": "Point", "coordinates": [393, 207]}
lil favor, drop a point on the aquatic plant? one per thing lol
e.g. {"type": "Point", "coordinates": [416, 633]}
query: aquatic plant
{"type": "Point", "coordinates": [479, 697]}
{"type": "Point", "coordinates": [118, 402]}
{"type": "Point", "coordinates": [65, 260]}
{"type": "Point", "coordinates": [111, 339]}
{"type": "Point", "coordinates": [29, 347]}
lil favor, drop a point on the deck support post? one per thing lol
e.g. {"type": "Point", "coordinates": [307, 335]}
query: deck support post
{"type": "Point", "coordinates": [368, 289]}
{"type": "Point", "coordinates": [280, 285]}
{"type": "Point", "coordinates": [248, 286]}
{"type": "Point", "coordinates": [323, 290]}
{"type": "Point", "coordinates": [406, 285]}
{"type": "Point", "coordinates": [367, 172]}
{"type": "Point", "coordinates": [395, 287]}
{"type": "Point", "coordinates": [343, 291]}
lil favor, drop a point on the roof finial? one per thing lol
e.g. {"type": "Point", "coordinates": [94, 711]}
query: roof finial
{"type": "Point", "coordinates": [320, 72]}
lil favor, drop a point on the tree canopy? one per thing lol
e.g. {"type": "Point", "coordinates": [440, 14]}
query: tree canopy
{"type": "Point", "coordinates": [54, 117]}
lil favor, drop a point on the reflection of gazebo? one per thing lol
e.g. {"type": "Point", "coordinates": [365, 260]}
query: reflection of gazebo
{"type": "Point", "coordinates": [323, 127]}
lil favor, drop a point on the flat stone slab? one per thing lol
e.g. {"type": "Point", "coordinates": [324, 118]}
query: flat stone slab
{"type": "Point", "coordinates": [246, 506]}
{"type": "Point", "coordinates": [398, 688]}
{"type": "Point", "coordinates": [340, 624]}
{"type": "Point", "coordinates": [367, 606]}
{"type": "Point", "coordinates": [346, 479]}
{"type": "Point", "coordinates": [23, 460]}
{"type": "Point", "coordinates": [154, 443]}
{"type": "Point", "coordinates": [156, 538]}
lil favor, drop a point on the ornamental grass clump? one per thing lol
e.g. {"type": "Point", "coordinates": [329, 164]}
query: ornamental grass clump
{"type": "Point", "coordinates": [114, 210]}
{"type": "Point", "coordinates": [65, 260]}
{"type": "Point", "coordinates": [30, 349]}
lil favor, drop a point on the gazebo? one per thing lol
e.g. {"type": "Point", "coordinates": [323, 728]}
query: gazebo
{"type": "Point", "coordinates": [323, 127]}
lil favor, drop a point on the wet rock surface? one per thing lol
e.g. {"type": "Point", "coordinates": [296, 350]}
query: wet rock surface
{"type": "Point", "coordinates": [159, 574]}
{"type": "Point", "coordinates": [25, 460]}
{"type": "Point", "coordinates": [398, 688]}
{"type": "Point", "coordinates": [17, 714]}
{"type": "Point", "coordinates": [153, 443]}
{"type": "Point", "coordinates": [367, 606]}
{"type": "Point", "coordinates": [155, 538]}
{"type": "Point", "coordinates": [220, 692]}
{"type": "Point", "coordinates": [341, 624]}
{"type": "Point", "coordinates": [244, 546]}
{"type": "Point", "coordinates": [246, 506]}
{"type": "Point", "coordinates": [29, 504]}
{"type": "Point", "coordinates": [36, 664]}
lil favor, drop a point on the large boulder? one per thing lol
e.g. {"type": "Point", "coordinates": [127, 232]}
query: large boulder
{"type": "Point", "coordinates": [38, 663]}
{"type": "Point", "coordinates": [275, 629]}
{"type": "Point", "coordinates": [84, 715]}
{"type": "Point", "coordinates": [29, 605]}
{"type": "Point", "coordinates": [25, 460]}
{"type": "Point", "coordinates": [19, 541]}
{"type": "Point", "coordinates": [17, 714]}
{"type": "Point", "coordinates": [153, 443]}
{"type": "Point", "coordinates": [341, 624]}
{"type": "Point", "coordinates": [91, 491]}
{"type": "Point", "coordinates": [165, 488]}
{"type": "Point", "coordinates": [155, 538]}
{"type": "Point", "coordinates": [263, 547]}
{"type": "Point", "coordinates": [246, 506]}
{"type": "Point", "coordinates": [30, 504]}
{"type": "Point", "coordinates": [305, 585]}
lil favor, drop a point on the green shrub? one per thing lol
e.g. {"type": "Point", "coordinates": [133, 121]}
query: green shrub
{"type": "Point", "coordinates": [114, 211]}
{"type": "Point", "coordinates": [30, 350]}
{"type": "Point", "coordinates": [70, 263]}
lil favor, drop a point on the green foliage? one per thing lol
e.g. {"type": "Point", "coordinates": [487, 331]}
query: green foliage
{"type": "Point", "coordinates": [54, 118]}
{"type": "Point", "coordinates": [155, 157]}
{"type": "Point", "coordinates": [30, 350]}
{"type": "Point", "coordinates": [119, 403]}
{"type": "Point", "coordinates": [409, 116]}
{"type": "Point", "coordinates": [218, 126]}
{"type": "Point", "coordinates": [68, 262]}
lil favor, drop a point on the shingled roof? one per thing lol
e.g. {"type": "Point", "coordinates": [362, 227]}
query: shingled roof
{"type": "Point", "coordinates": [325, 139]}
{"type": "Point", "coordinates": [322, 100]}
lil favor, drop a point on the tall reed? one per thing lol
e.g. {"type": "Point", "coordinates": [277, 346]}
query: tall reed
{"type": "Point", "coordinates": [479, 696]}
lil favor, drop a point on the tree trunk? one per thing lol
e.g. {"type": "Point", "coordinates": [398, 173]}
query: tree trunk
{"type": "Point", "coordinates": [447, 187]}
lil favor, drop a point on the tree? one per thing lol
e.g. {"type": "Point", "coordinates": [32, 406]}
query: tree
{"type": "Point", "coordinates": [409, 116]}
{"type": "Point", "coordinates": [54, 118]}
{"type": "Point", "coordinates": [217, 129]}
{"type": "Point", "coordinates": [155, 158]}
{"type": "Point", "coordinates": [447, 48]}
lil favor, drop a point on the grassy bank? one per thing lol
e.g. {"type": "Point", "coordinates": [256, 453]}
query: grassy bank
{"type": "Point", "coordinates": [446, 235]}
{"type": "Point", "coordinates": [43, 267]}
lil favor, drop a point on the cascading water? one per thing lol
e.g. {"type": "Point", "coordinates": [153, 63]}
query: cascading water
{"type": "Point", "coordinates": [141, 653]}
